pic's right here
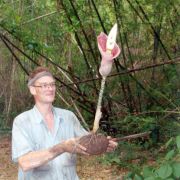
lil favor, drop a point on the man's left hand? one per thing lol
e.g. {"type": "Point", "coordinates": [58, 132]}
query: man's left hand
{"type": "Point", "coordinates": [112, 144]}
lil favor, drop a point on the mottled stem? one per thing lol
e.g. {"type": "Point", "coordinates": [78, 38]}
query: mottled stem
{"type": "Point", "coordinates": [98, 109]}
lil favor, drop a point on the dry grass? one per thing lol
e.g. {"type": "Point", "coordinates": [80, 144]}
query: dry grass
{"type": "Point", "coordinates": [8, 170]}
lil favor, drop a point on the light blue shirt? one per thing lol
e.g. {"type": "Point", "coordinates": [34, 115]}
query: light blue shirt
{"type": "Point", "coordinates": [30, 133]}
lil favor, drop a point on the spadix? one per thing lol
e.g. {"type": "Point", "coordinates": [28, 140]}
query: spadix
{"type": "Point", "coordinates": [111, 40]}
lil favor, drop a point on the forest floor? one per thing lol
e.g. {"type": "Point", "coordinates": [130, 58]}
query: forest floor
{"type": "Point", "coordinates": [88, 167]}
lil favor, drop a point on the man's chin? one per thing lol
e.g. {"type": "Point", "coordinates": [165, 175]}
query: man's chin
{"type": "Point", "coordinates": [50, 100]}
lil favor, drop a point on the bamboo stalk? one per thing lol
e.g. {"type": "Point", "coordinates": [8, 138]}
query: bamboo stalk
{"type": "Point", "coordinates": [80, 45]}
{"type": "Point", "coordinates": [18, 60]}
{"type": "Point", "coordinates": [27, 56]}
{"type": "Point", "coordinates": [152, 27]}
{"type": "Point", "coordinates": [14, 55]}
{"type": "Point", "coordinates": [177, 61]}
{"type": "Point", "coordinates": [82, 28]}
{"type": "Point", "coordinates": [39, 17]}
{"type": "Point", "coordinates": [80, 115]}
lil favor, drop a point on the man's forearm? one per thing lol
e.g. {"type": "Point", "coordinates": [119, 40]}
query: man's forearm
{"type": "Point", "coordinates": [38, 158]}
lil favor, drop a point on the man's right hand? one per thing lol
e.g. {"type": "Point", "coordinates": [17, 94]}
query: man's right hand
{"type": "Point", "coordinates": [38, 158]}
{"type": "Point", "coordinates": [72, 146]}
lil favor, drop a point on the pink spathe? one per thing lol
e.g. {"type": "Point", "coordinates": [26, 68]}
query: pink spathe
{"type": "Point", "coordinates": [107, 56]}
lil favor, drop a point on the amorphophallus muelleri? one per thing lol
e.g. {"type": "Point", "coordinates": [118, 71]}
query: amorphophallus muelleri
{"type": "Point", "coordinates": [97, 143]}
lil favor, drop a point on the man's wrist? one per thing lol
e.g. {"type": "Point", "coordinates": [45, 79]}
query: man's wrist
{"type": "Point", "coordinates": [57, 150]}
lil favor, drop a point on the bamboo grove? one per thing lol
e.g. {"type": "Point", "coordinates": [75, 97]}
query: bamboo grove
{"type": "Point", "coordinates": [143, 89]}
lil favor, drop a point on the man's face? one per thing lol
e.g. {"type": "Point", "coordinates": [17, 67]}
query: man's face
{"type": "Point", "coordinates": [44, 90]}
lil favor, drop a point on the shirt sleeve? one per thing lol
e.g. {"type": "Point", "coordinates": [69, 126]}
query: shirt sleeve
{"type": "Point", "coordinates": [21, 142]}
{"type": "Point", "coordinates": [78, 129]}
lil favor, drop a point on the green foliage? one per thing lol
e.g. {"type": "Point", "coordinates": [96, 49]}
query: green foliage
{"type": "Point", "coordinates": [168, 168]}
{"type": "Point", "coordinates": [136, 124]}
{"type": "Point", "coordinates": [124, 156]}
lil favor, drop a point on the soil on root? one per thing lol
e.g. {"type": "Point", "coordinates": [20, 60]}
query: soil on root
{"type": "Point", "coordinates": [88, 168]}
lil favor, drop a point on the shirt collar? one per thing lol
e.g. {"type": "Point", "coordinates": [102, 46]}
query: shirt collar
{"type": "Point", "coordinates": [39, 118]}
{"type": "Point", "coordinates": [57, 116]}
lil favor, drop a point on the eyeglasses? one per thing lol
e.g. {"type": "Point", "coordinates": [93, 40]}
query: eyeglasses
{"type": "Point", "coordinates": [46, 85]}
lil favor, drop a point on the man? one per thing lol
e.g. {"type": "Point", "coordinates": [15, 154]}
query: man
{"type": "Point", "coordinates": [45, 138]}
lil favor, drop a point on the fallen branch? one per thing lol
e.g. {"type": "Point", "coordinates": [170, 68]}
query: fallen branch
{"type": "Point", "coordinates": [133, 136]}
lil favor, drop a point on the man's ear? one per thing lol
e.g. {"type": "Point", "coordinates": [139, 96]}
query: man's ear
{"type": "Point", "coordinates": [32, 90]}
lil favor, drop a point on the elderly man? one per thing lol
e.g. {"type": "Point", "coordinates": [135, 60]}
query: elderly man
{"type": "Point", "coordinates": [45, 138]}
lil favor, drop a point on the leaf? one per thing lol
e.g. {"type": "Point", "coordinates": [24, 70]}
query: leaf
{"type": "Point", "coordinates": [129, 176]}
{"type": "Point", "coordinates": [147, 171]}
{"type": "Point", "coordinates": [164, 171]}
{"type": "Point", "coordinates": [176, 169]}
{"type": "Point", "coordinates": [30, 46]}
{"type": "Point", "coordinates": [149, 178]}
{"type": "Point", "coordinates": [169, 142]}
{"type": "Point", "coordinates": [116, 160]}
{"type": "Point", "coordinates": [137, 177]}
{"type": "Point", "coordinates": [170, 155]}
{"type": "Point", "coordinates": [178, 142]}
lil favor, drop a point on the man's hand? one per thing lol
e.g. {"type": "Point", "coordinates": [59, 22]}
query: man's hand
{"type": "Point", "coordinates": [112, 144]}
{"type": "Point", "coordinates": [72, 146]}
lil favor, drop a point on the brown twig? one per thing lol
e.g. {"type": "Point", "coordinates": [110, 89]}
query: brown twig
{"type": "Point", "coordinates": [133, 136]}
